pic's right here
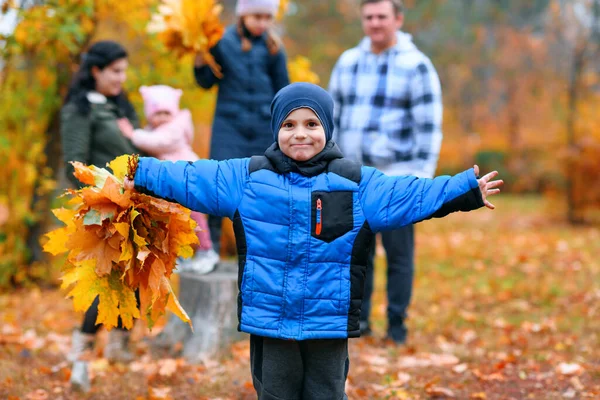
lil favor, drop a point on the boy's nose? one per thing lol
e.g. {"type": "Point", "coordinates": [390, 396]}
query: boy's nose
{"type": "Point", "coordinates": [300, 134]}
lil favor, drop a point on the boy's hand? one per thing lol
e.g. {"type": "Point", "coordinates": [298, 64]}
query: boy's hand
{"type": "Point", "coordinates": [128, 184]}
{"type": "Point", "coordinates": [487, 186]}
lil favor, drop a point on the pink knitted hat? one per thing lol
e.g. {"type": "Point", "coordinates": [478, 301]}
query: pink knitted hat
{"type": "Point", "coordinates": [160, 98]}
{"type": "Point", "coordinates": [245, 7]}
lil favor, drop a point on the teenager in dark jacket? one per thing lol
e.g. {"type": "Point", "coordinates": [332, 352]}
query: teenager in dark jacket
{"type": "Point", "coordinates": [254, 68]}
{"type": "Point", "coordinates": [94, 109]}
{"type": "Point", "coordinates": [304, 218]}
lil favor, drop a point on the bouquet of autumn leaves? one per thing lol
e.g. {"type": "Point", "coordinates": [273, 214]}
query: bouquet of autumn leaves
{"type": "Point", "coordinates": [189, 26]}
{"type": "Point", "coordinates": [118, 241]}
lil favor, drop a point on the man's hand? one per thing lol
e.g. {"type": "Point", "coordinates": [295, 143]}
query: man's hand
{"type": "Point", "coordinates": [487, 186]}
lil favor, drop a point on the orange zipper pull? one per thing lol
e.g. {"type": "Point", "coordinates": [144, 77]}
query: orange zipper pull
{"type": "Point", "coordinates": [319, 217]}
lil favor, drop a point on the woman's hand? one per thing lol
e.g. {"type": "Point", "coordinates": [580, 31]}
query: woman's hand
{"type": "Point", "coordinates": [125, 127]}
{"type": "Point", "coordinates": [487, 186]}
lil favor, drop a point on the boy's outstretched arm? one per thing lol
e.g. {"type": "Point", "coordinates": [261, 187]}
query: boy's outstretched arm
{"type": "Point", "coordinates": [208, 186]}
{"type": "Point", "coordinates": [393, 202]}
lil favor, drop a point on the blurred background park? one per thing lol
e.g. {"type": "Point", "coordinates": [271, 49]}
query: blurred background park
{"type": "Point", "coordinates": [521, 89]}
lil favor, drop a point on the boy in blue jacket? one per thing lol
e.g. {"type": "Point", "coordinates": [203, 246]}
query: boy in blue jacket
{"type": "Point", "coordinates": [303, 219]}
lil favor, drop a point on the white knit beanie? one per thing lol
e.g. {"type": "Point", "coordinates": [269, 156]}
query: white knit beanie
{"type": "Point", "coordinates": [245, 7]}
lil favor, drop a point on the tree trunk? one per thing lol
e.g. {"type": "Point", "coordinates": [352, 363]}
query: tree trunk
{"type": "Point", "coordinates": [573, 92]}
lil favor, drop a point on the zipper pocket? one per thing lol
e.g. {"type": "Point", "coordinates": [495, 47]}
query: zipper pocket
{"type": "Point", "coordinates": [319, 217]}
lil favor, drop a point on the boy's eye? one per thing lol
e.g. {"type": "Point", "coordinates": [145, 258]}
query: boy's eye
{"type": "Point", "coordinates": [313, 124]}
{"type": "Point", "coordinates": [288, 125]}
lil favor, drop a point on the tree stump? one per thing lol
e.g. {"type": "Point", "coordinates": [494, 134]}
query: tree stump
{"type": "Point", "coordinates": [211, 303]}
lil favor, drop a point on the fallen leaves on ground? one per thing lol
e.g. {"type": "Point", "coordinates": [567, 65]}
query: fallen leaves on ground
{"type": "Point", "coordinates": [505, 307]}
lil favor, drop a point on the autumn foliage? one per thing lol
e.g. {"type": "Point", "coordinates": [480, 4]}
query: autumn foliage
{"type": "Point", "coordinates": [300, 70]}
{"type": "Point", "coordinates": [120, 241]}
{"type": "Point", "coordinates": [189, 26]}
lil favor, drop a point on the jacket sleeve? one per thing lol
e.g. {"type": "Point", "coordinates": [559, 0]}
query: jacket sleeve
{"type": "Point", "coordinates": [76, 137]}
{"type": "Point", "coordinates": [390, 202]}
{"type": "Point", "coordinates": [279, 71]}
{"type": "Point", "coordinates": [204, 75]}
{"type": "Point", "coordinates": [207, 186]}
{"type": "Point", "coordinates": [166, 138]}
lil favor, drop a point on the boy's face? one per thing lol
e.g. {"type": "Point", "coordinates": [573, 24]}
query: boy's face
{"type": "Point", "coordinates": [301, 135]}
{"type": "Point", "coordinates": [159, 118]}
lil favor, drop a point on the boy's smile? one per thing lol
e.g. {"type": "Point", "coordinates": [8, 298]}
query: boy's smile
{"type": "Point", "coordinates": [301, 135]}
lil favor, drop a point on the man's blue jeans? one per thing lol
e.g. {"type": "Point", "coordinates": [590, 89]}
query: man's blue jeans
{"type": "Point", "coordinates": [399, 247]}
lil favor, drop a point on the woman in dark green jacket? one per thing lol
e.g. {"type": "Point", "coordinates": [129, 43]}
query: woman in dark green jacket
{"type": "Point", "coordinates": [95, 111]}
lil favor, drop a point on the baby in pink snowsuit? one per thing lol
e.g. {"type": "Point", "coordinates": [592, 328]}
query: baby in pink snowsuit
{"type": "Point", "coordinates": [168, 136]}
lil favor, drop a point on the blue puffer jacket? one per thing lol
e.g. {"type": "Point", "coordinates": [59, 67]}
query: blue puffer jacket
{"type": "Point", "coordinates": [241, 127]}
{"type": "Point", "coordinates": [303, 232]}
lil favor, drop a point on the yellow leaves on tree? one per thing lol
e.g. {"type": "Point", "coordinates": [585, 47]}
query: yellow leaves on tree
{"type": "Point", "coordinates": [189, 26]}
{"type": "Point", "coordinates": [283, 7]}
{"type": "Point", "coordinates": [120, 241]}
{"type": "Point", "coordinates": [300, 70]}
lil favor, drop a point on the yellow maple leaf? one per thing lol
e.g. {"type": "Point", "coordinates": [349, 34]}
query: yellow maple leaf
{"type": "Point", "coordinates": [119, 167]}
{"type": "Point", "coordinates": [173, 303]}
{"type": "Point", "coordinates": [65, 215]}
{"type": "Point", "coordinates": [57, 241]}
{"type": "Point", "coordinates": [137, 239]}
{"type": "Point", "coordinates": [122, 228]}
{"type": "Point", "coordinates": [69, 276]}
{"type": "Point", "coordinates": [115, 299]}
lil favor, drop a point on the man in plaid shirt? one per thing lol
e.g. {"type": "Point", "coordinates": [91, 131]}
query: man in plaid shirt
{"type": "Point", "coordinates": [388, 114]}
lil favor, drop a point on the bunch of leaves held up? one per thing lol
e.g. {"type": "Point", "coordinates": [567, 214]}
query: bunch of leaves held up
{"type": "Point", "coordinates": [189, 26]}
{"type": "Point", "coordinates": [300, 70]}
{"type": "Point", "coordinates": [119, 241]}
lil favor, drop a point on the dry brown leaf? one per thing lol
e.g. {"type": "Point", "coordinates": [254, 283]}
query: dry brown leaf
{"type": "Point", "coordinates": [569, 369]}
{"type": "Point", "coordinates": [440, 392]}
{"type": "Point", "coordinates": [39, 394]}
{"type": "Point", "coordinates": [460, 368]}
{"type": "Point", "coordinates": [167, 367]}
{"type": "Point", "coordinates": [480, 395]}
{"type": "Point", "coordinates": [162, 393]}
{"type": "Point", "coordinates": [428, 360]}
{"type": "Point", "coordinates": [576, 382]}
{"type": "Point", "coordinates": [402, 379]}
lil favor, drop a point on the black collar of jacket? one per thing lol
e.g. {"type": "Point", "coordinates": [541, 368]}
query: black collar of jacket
{"type": "Point", "coordinates": [315, 166]}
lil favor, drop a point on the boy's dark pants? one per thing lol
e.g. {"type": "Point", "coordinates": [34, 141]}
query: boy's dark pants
{"type": "Point", "coordinates": [399, 247]}
{"type": "Point", "coordinates": [299, 370]}
{"type": "Point", "coordinates": [215, 228]}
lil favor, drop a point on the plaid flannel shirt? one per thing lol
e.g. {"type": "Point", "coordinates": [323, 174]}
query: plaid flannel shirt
{"type": "Point", "coordinates": [388, 108]}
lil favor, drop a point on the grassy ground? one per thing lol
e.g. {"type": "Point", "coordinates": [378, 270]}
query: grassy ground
{"type": "Point", "coordinates": [506, 306]}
